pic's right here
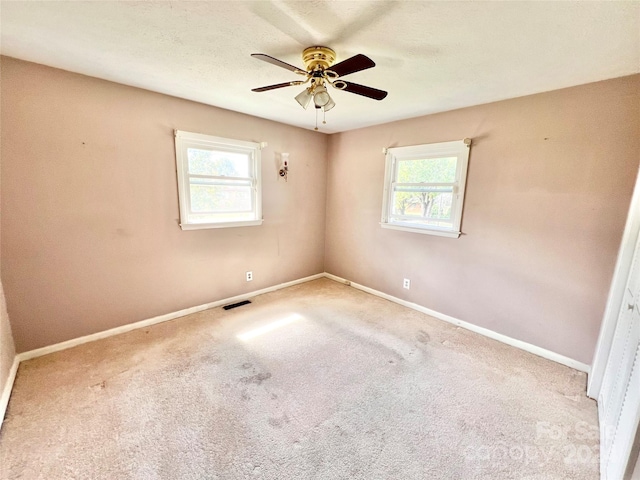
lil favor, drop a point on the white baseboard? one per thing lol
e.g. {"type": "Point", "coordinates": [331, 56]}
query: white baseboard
{"type": "Point", "coordinates": [8, 386]}
{"type": "Point", "coordinates": [541, 352]}
{"type": "Point", "coordinates": [159, 319]}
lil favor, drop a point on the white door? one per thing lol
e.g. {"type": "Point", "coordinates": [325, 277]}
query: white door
{"type": "Point", "coordinates": [619, 399]}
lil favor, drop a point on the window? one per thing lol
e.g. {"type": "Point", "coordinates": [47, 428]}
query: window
{"type": "Point", "coordinates": [218, 181]}
{"type": "Point", "coordinates": [424, 188]}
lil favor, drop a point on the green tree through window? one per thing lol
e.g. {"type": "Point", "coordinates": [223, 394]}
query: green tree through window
{"type": "Point", "coordinates": [221, 164]}
{"type": "Point", "coordinates": [429, 201]}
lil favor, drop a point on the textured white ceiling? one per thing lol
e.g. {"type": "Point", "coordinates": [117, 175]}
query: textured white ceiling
{"type": "Point", "coordinates": [430, 56]}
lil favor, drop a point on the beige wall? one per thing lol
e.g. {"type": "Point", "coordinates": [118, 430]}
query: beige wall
{"type": "Point", "coordinates": [90, 235]}
{"type": "Point", "coordinates": [549, 184]}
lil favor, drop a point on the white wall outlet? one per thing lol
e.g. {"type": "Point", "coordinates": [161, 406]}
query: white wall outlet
{"type": "Point", "coordinates": [406, 284]}
{"type": "Point", "coordinates": [249, 276]}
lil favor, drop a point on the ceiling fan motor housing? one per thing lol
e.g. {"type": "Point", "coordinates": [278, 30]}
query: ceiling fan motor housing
{"type": "Point", "coordinates": [318, 58]}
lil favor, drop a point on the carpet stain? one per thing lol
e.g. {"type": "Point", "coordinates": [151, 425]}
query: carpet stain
{"type": "Point", "coordinates": [423, 337]}
{"type": "Point", "coordinates": [210, 359]}
{"type": "Point", "coordinates": [278, 422]}
{"type": "Point", "coordinates": [99, 386]}
{"type": "Point", "coordinates": [256, 379]}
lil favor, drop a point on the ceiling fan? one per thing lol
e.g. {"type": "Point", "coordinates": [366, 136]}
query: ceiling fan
{"type": "Point", "coordinates": [320, 71]}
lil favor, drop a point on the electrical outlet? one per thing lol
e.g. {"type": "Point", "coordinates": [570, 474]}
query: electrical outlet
{"type": "Point", "coordinates": [406, 284]}
{"type": "Point", "coordinates": [249, 276]}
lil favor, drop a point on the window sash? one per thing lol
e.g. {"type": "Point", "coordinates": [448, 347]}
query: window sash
{"type": "Point", "coordinates": [204, 180]}
{"type": "Point", "coordinates": [421, 184]}
{"type": "Point", "coordinates": [226, 182]}
{"type": "Point", "coordinates": [223, 178]}
{"type": "Point", "coordinates": [424, 187]}
{"type": "Point", "coordinates": [212, 218]}
{"type": "Point", "coordinates": [457, 149]}
{"type": "Point", "coordinates": [211, 180]}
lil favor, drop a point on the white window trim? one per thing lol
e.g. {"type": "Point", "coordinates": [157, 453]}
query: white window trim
{"type": "Point", "coordinates": [460, 149]}
{"type": "Point", "coordinates": [184, 140]}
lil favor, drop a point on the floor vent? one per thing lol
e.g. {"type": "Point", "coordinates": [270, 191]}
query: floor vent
{"type": "Point", "coordinates": [234, 305]}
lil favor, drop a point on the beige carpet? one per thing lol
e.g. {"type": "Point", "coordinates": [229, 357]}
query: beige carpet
{"type": "Point", "coordinates": [317, 381]}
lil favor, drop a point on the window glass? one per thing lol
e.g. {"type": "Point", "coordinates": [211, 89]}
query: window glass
{"type": "Point", "coordinates": [433, 170]}
{"type": "Point", "coordinates": [217, 163]}
{"type": "Point", "coordinates": [220, 198]}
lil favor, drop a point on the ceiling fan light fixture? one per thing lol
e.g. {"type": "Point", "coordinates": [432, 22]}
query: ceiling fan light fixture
{"type": "Point", "coordinates": [304, 97]}
{"type": "Point", "coordinates": [330, 104]}
{"type": "Point", "coordinates": [321, 96]}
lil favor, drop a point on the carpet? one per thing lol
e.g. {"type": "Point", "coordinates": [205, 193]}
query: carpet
{"type": "Point", "coordinates": [315, 381]}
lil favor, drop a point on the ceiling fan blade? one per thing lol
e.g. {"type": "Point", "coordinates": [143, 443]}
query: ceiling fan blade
{"type": "Point", "coordinates": [275, 61]}
{"type": "Point", "coordinates": [352, 65]}
{"type": "Point", "coordinates": [277, 85]}
{"type": "Point", "coordinates": [364, 91]}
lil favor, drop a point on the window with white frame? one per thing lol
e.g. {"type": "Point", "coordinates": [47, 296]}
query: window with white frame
{"type": "Point", "coordinates": [218, 181]}
{"type": "Point", "coordinates": [424, 187]}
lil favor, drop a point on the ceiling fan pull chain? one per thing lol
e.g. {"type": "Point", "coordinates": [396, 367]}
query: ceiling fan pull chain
{"type": "Point", "coordinates": [316, 119]}
{"type": "Point", "coordinates": [324, 117]}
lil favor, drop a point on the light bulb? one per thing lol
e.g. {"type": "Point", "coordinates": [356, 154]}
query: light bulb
{"type": "Point", "coordinates": [321, 96]}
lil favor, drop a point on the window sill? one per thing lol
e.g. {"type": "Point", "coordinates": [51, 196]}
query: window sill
{"type": "Point", "coordinates": [427, 231]}
{"type": "Point", "coordinates": [201, 226]}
